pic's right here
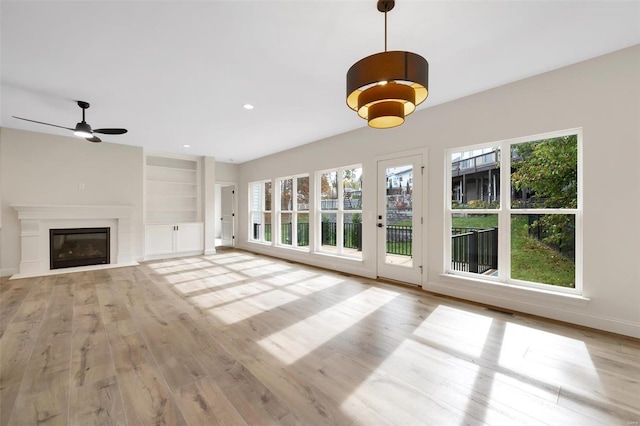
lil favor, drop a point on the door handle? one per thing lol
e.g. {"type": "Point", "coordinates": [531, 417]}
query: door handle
{"type": "Point", "coordinates": [380, 225]}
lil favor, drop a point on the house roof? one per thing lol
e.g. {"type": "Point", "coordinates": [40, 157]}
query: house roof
{"type": "Point", "coordinates": [177, 73]}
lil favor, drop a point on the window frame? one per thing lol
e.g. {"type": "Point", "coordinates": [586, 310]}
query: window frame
{"type": "Point", "coordinates": [505, 212]}
{"type": "Point", "coordinates": [339, 212]}
{"type": "Point", "coordinates": [262, 211]}
{"type": "Point", "coordinates": [294, 211]}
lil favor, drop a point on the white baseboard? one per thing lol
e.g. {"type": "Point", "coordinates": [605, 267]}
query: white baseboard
{"type": "Point", "coordinates": [8, 272]}
{"type": "Point", "coordinates": [560, 310]}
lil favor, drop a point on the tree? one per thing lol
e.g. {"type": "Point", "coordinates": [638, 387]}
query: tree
{"type": "Point", "coordinates": [549, 169]}
{"type": "Point", "coordinates": [325, 186]}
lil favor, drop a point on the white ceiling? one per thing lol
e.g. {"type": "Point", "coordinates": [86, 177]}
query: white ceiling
{"type": "Point", "coordinates": [177, 72]}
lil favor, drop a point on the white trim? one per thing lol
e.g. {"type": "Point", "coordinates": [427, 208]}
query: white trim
{"type": "Point", "coordinates": [505, 211]}
{"type": "Point", "coordinates": [36, 220]}
{"type": "Point", "coordinates": [339, 212]}
{"type": "Point", "coordinates": [561, 307]}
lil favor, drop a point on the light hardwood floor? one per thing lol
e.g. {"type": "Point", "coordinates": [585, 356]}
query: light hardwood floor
{"type": "Point", "coordinates": [238, 338]}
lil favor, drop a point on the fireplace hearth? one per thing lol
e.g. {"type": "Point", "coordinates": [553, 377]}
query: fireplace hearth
{"type": "Point", "coordinates": [78, 247]}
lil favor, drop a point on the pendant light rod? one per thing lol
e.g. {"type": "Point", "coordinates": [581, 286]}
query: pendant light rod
{"type": "Point", "coordinates": [385, 6]}
{"type": "Point", "coordinates": [385, 31]}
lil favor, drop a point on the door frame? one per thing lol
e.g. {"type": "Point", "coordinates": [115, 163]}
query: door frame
{"type": "Point", "coordinates": [235, 210]}
{"type": "Point", "coordinates": [424, 207]}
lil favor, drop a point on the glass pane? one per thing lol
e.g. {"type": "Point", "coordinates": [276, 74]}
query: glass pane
{"type": "Point", "coordinates": [286, 228]}
{"type": "Point", "coordinates": [255, 197]}
{"type": "Point", "coordinates": [544, 173]}
{"type": "Point", "coordinates": [303, 229]}
{"type": "Point", "coordinates": [352, 185]}
{"type": "Point", "coordinates": [329, 191]}
{"type": "Point", "coordinates": [303, 193]}
{"type": "Point", "coordinates": [328, 232]}
{"type": "Point", "coordinates": [286, 187]}
{"type": "Point", "coordinates": [474, 243]}
{"type": "Point", "coordinates": [267, 226]}
{"type": "Point", "coordinates": [255, 220]}
{"type": "Point", "coordinates": [399, 235]}
{"type": "Point", "coordinates": [267, 196]}
{"type": "Point", "coordinates": [543, 248]}
{"type": "Point", "coordinates": [352, 234]}
{"type": "Point", "coordinates": [475, 179]}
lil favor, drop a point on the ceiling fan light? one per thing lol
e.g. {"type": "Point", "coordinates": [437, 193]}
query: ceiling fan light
{"type": "Point", "coordinates": [83, 130]}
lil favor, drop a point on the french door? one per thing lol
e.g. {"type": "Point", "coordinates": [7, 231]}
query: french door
{"type": "Point", "coordinates": [399, 219]}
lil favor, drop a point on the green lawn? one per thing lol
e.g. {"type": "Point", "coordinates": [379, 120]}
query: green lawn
{"type": "Point", "coordinates": [533, 261]}
{"type": "Point", "coordinates": [530, 259]}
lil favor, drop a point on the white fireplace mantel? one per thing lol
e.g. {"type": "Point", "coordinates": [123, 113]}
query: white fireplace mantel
{"type": "Point", "coordinates": [37, 220]}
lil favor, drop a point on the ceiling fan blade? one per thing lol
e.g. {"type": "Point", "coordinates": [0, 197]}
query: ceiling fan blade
{"type": "Point", "coordinates": [94, 139]}
{"type": "Point", "coordinates": [40, 122]}
{"type": "Point", "coordinates": [110, 131]}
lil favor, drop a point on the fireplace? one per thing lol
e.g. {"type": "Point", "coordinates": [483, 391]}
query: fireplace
{"type": "Point", "coordinates": [78, 247]}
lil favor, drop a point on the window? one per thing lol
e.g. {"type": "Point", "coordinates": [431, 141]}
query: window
{"type": "Point", "coordinates": [339, 210]}
{"type": "Point", "coordinates": [514, 212]}
{"type": "Point", "coordinates": [260, 214]}
{"type": "Point", "coordinates": [294, 211]}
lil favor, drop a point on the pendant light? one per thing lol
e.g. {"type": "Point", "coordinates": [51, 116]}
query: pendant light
{"type": "Point", "coordinates": [386, 87]}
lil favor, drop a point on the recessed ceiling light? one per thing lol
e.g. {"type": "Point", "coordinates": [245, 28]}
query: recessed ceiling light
{"type": "Point", "coordinates": [186, 146]}
{"type": "Point", "coordinates": [248, 106]}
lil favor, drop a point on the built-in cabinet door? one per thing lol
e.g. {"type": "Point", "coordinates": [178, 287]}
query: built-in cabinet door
{"type": "Point", "coordinates": [174, 239]}
{"type": "Point", "coordinates": [189, 237]}
{"type": "Point", "coordinates": [159, 239]}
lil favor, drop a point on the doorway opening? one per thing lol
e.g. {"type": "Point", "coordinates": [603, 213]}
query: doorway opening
{"type": "Point", "coordinates": [225, 214]}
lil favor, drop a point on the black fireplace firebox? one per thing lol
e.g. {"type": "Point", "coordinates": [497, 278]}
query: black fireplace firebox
{"type": "Point", "coordinates": [78, 247]}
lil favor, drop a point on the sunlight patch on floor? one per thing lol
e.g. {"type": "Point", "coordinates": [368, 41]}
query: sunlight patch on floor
{"type": "Point", "coordinates": [303, 284]}
{"type": "Point", "coordinates": [243, 309]}
{"type": "Point", "coordinates": [294, 342]}
{"type": "Point", "coordinates": [457, 329]}
{"type": "Point", "coordinates": [209, 283]}
{"type": "Point", "coordinates": [542, 362]}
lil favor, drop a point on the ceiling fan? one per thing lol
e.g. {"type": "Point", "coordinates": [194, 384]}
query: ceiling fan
{"type": "Point", "coordinates": [82, 129]}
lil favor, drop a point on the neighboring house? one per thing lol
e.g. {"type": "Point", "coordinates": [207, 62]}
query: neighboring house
{"type": "Point", "coordinates": [475, 176]}
{"type": "Point", "coordinates": [399, 178]}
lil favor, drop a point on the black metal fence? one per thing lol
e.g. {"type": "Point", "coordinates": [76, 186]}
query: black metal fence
{"type": "Point", "coordinates": [399, 240]}
{"type": "Point", "coordinates": [474, 250]}
{"type": "Point", "coordinates": [352, 235]}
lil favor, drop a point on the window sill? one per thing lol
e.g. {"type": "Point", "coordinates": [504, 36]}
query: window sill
{"type": "Point", "coordinates": [472, 284]}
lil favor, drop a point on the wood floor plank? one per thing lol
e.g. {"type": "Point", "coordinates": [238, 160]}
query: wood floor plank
{"type": "Point", "coordinates": [90, 353]}
{"type": "Point", "coordinates": [173, 358]}
{"type": "Point", "coordinates": [16, 346]}
{"type": "Point", "coordinates": [11, 299]}
{"type": "Point", "coordinates": [204, 403]}
{"type": "Point", "coordinates": [43, 394]}
{"type": "Point", "coordinates": [111, 302]}
{"type": "Point", "coordinates": [147, 398]}
{"type": "Point", "coordinates": [238, 338]}
{"type": "Point", "coordinates": [35, 304]}
{"type": "Point", "coordinates": [253, 400]}
{"type": "Point", "coordinates": [85, 292]}
{"type": "Point", "coordinates": [96, 403]}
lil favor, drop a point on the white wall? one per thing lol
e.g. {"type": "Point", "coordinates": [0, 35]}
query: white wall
{"type": "Point", "coordinates": [226, 172]}
{"type": "Point", "coordinates": [36, 168]}
{"type": "Point", "coordinates": [601, 95]}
